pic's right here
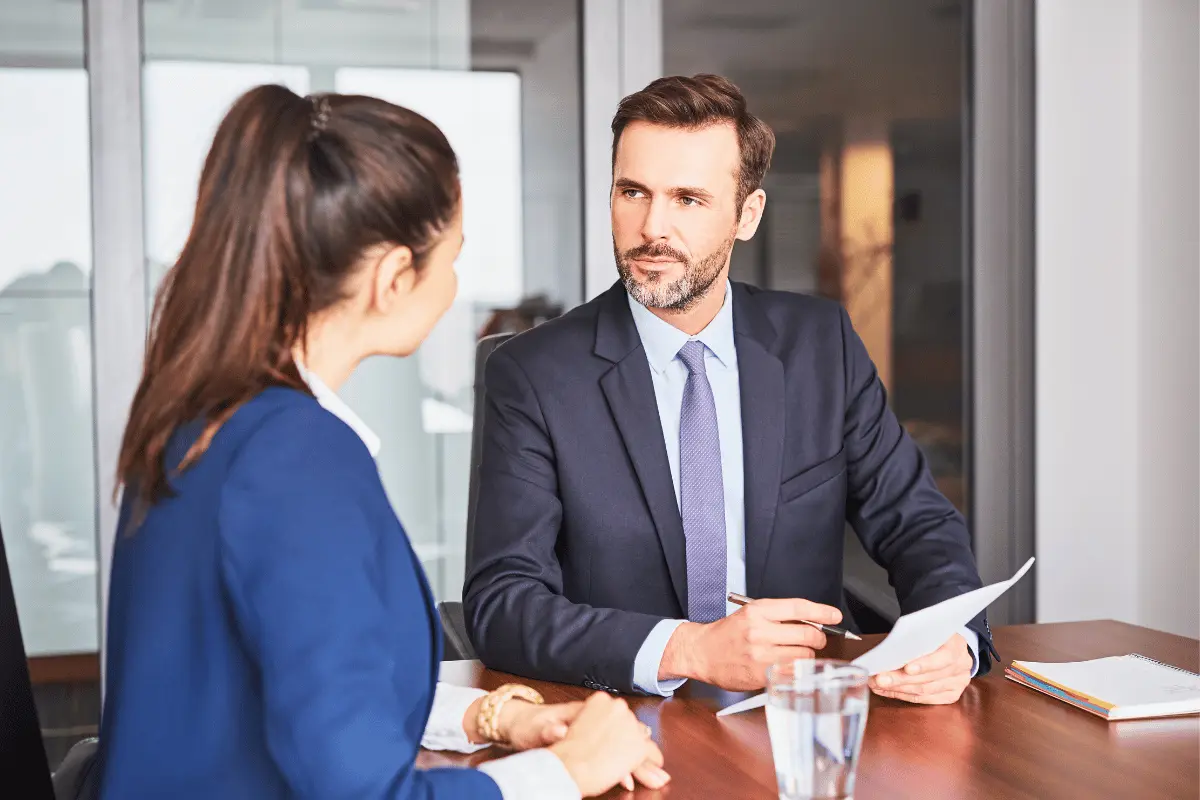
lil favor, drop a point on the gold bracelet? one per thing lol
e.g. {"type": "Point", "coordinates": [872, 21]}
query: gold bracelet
{"type": "Point", "coordinates": [488, 719]}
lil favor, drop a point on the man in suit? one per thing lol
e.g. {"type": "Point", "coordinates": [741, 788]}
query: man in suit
{"type": "Point", "coordinates": [682, 436]}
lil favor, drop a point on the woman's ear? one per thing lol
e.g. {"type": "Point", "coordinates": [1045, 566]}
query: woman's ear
{"type": "Point", "coordinates": [394, 278]}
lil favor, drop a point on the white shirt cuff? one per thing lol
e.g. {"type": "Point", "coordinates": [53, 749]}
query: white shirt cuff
{"type": "Point", "coordinates": [532, 775]}
{"type": "Point", "coordinates": [444, 731]}
{"type": "Point", "coordinates": [649, 659]}
{"type": "Point", "coordinates": [973, 645]}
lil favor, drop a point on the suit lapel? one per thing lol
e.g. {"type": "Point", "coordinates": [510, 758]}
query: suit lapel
{"type": "Point", "coordinates": [629, 391]}
{"type": "Point", "coordinates": [761, 375]}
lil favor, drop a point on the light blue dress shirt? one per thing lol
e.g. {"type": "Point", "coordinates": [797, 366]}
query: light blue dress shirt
{"type": "Point", "coordinates": [662, 342]}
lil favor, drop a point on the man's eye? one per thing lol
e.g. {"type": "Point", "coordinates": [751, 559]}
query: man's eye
{"type": "Point", "coordinates": [632, 194]}
{"type": "Point", "coordinates": [689, 201]}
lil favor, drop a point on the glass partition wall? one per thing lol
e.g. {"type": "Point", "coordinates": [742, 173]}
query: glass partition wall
{"type": "Point", "coordinates": [865, 200]}
{"type": "Point", "coordinates": [502, 81]}
{"type": "Point", "coordinates": [47, 442]}
{"type": "Point", "coordinates": [901, 127]}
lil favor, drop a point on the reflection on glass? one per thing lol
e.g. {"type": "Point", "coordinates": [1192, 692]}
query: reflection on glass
{"type": "Point", "coordinates": [864, 196]}
{"type": "Point", "coordinates": [480, 113]}
{"type": "Point", "coordinates": [501, 79]}
{"type": "Point", "coordinates": [179, 125]}
{"type": "Point", "coordinates": [47, 481]}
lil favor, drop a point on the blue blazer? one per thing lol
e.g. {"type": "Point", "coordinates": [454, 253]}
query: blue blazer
{"type": "Point", "coordinates": [271, 633]}
{"type": "Point", "coordinates": [579, 535]}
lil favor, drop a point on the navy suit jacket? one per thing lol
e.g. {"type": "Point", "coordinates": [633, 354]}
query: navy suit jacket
{"type": "Point", "coordinates": [579, 546]}
{"type": "Point", "coordinates": [271, 634]}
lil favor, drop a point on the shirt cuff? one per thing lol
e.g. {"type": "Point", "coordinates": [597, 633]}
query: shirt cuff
{"type": "Point", "coordinates": [444, 731]}
{"type": "Point", "coordinates": [532, 775]}
{"type": "Point", "coordinates": [649, 659]}
{"type": "Point", "coordinates": [973, 645]}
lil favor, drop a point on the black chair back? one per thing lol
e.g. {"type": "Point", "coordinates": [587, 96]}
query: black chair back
{"type": "Point", "coordinates": [483, 349]}
{"type": "Point", "coordinates": [454, 627]}
{"type": "Point", "coordinates": [23, 765]}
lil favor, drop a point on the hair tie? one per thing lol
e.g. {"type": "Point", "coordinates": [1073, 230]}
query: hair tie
{"type": "Point", "coordinates": [319, 118]}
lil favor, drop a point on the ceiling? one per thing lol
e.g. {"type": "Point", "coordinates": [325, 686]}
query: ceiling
{"type": "Point", "coordinates": [804, 60]}
{"type": "Point", "coordinates": [799, 62]}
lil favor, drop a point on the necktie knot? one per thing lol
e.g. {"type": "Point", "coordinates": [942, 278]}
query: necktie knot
{"type": "Point", "coordinates": [692, 356]}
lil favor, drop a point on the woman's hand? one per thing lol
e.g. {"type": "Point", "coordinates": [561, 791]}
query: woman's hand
{"type": "Point", "coordinates": [605, 744]}
{"type": "Point", "coordinates": [525, 726]}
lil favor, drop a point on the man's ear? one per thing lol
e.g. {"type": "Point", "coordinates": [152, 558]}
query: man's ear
{"type": "Point", "coordinates": [752, 212]}
{"type": "Point", "coordinates": [393, 278]}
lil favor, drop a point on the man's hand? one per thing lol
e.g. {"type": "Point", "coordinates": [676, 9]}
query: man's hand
{"type": "Point", "coordinates": [733, 653]}
{"type": "Point", "coordinates": [936, 679]}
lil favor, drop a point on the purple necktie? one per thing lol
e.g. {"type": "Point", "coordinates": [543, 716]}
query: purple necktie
{"type": "Point", "coordinates": [701, 491]}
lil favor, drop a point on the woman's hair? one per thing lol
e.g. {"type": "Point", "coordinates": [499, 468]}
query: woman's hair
{"type": "Point", "coordinates": [293, 193]}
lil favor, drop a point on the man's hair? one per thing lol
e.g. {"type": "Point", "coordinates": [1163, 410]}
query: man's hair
{"type": "Point", "coordinates": [695, 103]}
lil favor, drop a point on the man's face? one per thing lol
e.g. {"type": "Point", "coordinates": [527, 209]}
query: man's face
{"type": "Point", "coordinates": [674, 211]}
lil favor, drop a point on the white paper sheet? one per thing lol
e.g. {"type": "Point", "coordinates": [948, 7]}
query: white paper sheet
{"type": "Point", "coordinates": [758, 701]}
{"type": "Point", "coordinates": [916, 634]}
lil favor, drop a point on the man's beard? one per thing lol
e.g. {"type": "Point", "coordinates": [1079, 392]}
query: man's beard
{"type": "Point", "coordinates": [680, 294]}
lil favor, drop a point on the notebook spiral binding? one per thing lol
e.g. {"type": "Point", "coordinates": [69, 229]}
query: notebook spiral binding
{"type": "Point", "coordinates": [1168, 666]}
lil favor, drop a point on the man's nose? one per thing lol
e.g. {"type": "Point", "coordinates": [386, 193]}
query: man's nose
{"type": "Point", "coordinates": [656, 225]}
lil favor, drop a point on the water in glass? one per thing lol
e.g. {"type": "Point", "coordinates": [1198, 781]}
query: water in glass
{"type": "Point", "coordinates": [816, 716]}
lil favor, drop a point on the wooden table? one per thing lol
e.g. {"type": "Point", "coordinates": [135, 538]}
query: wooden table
{"type": "Point", "coordinates": [1000, 740]}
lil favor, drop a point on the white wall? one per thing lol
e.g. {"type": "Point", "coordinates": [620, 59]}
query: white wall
{"type": "Point", "coordinates": [1169, 344]}
{"type": "Point", "coordinates": [1117, 341]}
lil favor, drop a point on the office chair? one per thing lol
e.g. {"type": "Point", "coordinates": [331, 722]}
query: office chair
{"type": "Point", "coordinates": [23, 765]}
{"type": "Point", "coordinates": [22, 758]}
{"type": "Point", "coordinates": [454, 627]}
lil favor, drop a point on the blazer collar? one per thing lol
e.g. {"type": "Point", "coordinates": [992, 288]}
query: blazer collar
{"type": "Point", "coordinates": [335, 405]}
{"type": "Point", "coordinates": [617, 334]}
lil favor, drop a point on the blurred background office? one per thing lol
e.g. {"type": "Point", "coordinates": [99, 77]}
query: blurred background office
{"type": "Point", "coordinates": [1017, 247]}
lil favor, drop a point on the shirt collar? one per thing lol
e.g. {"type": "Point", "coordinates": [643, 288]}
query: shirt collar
{"type": "Point", "coordinates": [335, 405]}
{"type": "Point", "coordinates": [662, 340]}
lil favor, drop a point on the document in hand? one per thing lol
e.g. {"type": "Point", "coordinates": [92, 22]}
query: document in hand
{"type": "Point", "coordinates": [1116, 688]}
{"type": "Point", "coordinates": [916, 634]}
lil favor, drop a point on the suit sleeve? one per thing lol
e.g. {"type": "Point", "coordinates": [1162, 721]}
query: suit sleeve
{"type": "Point", "coordinates": [904, 522]}
{"type": "Point", "coordinates": [518, 617]}
{"type": "Point", "coordinates": [300, 566]}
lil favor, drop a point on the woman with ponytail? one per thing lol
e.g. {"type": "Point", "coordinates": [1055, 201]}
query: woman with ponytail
{"type": "Point", "coordinates": [271, 633]}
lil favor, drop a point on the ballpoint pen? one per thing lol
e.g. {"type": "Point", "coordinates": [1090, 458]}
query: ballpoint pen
{"type": "Point", "coordinates": [833, 630]}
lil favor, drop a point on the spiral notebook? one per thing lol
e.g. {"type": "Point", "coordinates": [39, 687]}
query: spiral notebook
{"type": "Point", "coordinates": [1116, 688]}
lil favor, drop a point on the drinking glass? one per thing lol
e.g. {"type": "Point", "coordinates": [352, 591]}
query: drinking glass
{"type": "Point", "coordinates": [816, 716]}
